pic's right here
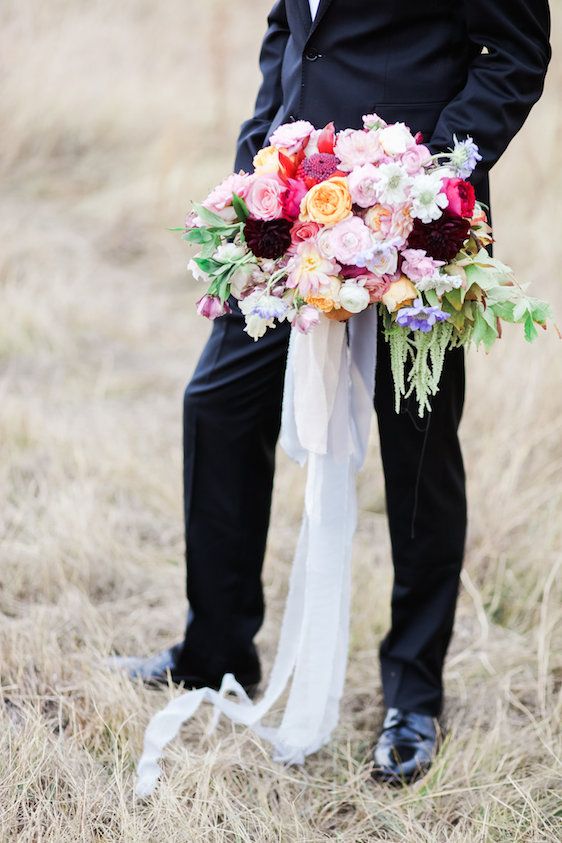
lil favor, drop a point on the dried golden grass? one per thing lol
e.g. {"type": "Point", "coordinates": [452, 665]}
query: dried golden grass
{"type": "Point", "coordinates": [114, 116]}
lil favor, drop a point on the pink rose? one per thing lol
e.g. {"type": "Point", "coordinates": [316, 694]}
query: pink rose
{"type": "Point", "coordinates": [414, 158]}
{"type": "Point", "coordinates": [291, 137]}
{"type": "Point", "coordinates": [302, 231]}
{"type": "Point", "coordinates": [417, 264]}
{"type": "Point", "coordinates": [211, 307]}
{"type": "Point", "coordinates": [347, 240]}
{"type": "Point", "coordinates": [264, 197]}
{"type": "Point", "coordinates": [219, 198]}
{"type": "Point", "coordinates": [362, 183]}
{"type": "Point", "coordinates": [305, 318]}
{"type": "Point", "coordinates": [461, 196]}
{"type": "Point", "coordinates": [376, 286]}
{"type": "Point", "coordinates": [401, 223]}
{"type": "Point", "coordinates": [292, 198]}
{"type": "Point", "coordinates": [355, 147]}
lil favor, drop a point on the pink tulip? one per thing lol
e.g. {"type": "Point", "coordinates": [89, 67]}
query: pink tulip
{"type": "Point", "coordinates": [211, 307]}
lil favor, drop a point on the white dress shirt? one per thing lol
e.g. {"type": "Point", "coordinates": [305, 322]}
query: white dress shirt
{"type": "Point", "coordinates": [314, 7]}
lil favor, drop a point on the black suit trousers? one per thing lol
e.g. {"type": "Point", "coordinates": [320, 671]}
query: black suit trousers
{"type": "Point", "coordinates": [232, 415]}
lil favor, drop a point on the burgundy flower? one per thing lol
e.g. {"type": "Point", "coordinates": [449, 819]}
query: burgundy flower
{"type": "Point", "coordinates": [442, 239]}
{"type": "Point", "coordinates": [268, 238]}
{"type": "Point", "coordinates": [319, 167]}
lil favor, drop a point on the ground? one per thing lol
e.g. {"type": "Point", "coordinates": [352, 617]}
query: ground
{"type": "Point", "coordinates": [114, 116]}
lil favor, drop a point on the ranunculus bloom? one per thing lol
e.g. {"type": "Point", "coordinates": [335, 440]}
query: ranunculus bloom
{"type": "Point", "coordinates": [264, 197]}
{"type": "Point", "coordinates": [354, 297]}
{"type": "Point", "coordinates": [221, 196]}
{"type": "Point", "coordinates": [414, 158]}
{"type": "Point", "coordinates": [290, 137]}
{"type": "Point", "coordinates": [328, 202]}
{"type": "Point", "coordinates": [399, 294]}
{"type": "Point", "coordinates": [347, 240]}
{"type": "Point", "coordinates": [461, 196]}
{"type": "Point", "coordinates": [268, 238]}
{"type": "Point", "coordinates": [376, 286]}
{"type": "Point", "coordinates": [211, 307]}
{"type": "Point", "coordinates": [442, 238]}
{"type": "Point", "coordinates": [302, 231]}
{"type": "Point", "coordinates": [266, 161]}
{"type": "Point", "coordinates": [292, 198]}
{"type": "Point", "coordinates": [363, 185]}
{"type": "Point", "coordinates": [395, 139]}
{"type": "Point", "coordinates": [379, 220]}
{"type": "Point", "coordinates": [355, 147]}
{"type": "Point", "coordinates": [417, 264]}
{"type": "Point", "coordinates": [309, 270]}
{"type": "Point", "coordinates": [383, 261]}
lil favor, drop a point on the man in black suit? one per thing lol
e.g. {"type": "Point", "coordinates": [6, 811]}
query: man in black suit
{"type": "Point", "coordinates": [442, 67]}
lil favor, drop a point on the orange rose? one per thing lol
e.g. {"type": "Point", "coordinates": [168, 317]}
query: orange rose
{"type": "Point", "coordinates": [400, 293]}
{"type": "Point", "coordinates": [327, 203]}
{"type": "Point", "coordinates": [326, 298]}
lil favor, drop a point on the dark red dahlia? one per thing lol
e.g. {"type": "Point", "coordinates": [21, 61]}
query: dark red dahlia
{"type": "Point", "coordinates": [319, 167]}
{"type": "Point", "coordinates": [268, 238]}
{"type": "Point", "coordinates": [442, 239]}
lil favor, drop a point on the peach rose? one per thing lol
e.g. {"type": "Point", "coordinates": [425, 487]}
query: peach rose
{"type": "Point", "coordinates": [399, 294]}
{"type": "Point", "coordinates": [266, 161]}
{"type": "Point", "coordinates": [327, 297]}
{"type": "Point", "coordinates": [328, 202]}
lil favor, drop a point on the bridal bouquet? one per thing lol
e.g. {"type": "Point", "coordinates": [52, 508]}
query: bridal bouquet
{"type": "Point", "coordinates": [330, 223]}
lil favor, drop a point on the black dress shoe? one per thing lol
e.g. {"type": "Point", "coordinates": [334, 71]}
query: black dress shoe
{"type": "Point", "coordinates": [406, 747]}
{"type": "Point", "coordinates": [159, 669]}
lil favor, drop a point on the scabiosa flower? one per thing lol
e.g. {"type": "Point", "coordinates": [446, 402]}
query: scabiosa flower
{"type": "Point", "coordinates": [420, 317]}
{"type": "Point", "coordinates": [393, 183]}
{"type": "Point", "coordinates": [442, 239]}
{"type": "Point", "coordinates": [464, 156]}
{"type": "Point", "coordinates": [428, 197]}
{"type": "Point", "coordinates": [268, 238]}
{"type": "Point", "coordinates": [319, 167]}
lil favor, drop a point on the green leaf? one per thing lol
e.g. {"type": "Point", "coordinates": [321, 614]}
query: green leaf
{"type": "Point", "coordinates": [208, 265]}
{"type": "Point", "coordinates": [455, 297]}
{"type": "Point", "coordinates": [483, 332]}
{"type": "Point", "coordinates": [199, 236]}
{"type": "Point", "coordinates": [209, 217]}
{"type": "Point", "coordinates": [504, 310]}
{"type": "Point", "coordinates": [240, 207]}
{"type": "Point", "coordinates": [432, 298]}
{"type": "Point", "coordinates": [530, 330]}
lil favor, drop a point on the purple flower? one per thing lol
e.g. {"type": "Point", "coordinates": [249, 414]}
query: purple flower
{"type": "Point", "coordinates": [465, 156]}
{"type": "Point", "coordinates": [211, 307]}
{"type": "Point", "coordinates": [420, 317]}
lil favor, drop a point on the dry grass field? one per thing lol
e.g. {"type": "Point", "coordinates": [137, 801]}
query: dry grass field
{"type": "Point", "coordinates": [114, 116]}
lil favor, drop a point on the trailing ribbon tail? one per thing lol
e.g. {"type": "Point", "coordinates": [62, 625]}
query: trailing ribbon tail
{"type": "Point", "coordinates": [327, 407]}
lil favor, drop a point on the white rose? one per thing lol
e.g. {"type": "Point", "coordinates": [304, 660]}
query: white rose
{"type": "Point", "coordinates": [229, 253]}
{"type": "Point", "coordinates": [395, 139]}
{"type": "Point", "coordinates": [354, 298]}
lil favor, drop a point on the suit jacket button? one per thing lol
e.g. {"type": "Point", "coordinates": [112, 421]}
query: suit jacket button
{"type": "Point", "coordinates": [311, 54]}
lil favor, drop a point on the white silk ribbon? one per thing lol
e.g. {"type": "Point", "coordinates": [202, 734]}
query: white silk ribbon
{"type": "Point", "coordinates": [327, 410]}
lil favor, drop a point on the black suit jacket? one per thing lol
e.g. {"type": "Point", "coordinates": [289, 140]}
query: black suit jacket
{"type": "Point", "coordinates": [470, 67]}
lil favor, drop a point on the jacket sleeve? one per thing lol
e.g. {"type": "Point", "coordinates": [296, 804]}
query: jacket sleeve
{"type": "Point", "coordinates": [270, 95]}
{"type": "Point", "coordinates": [503, 83]}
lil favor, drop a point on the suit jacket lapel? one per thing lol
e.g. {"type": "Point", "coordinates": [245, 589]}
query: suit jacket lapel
{"type": "Point", "coordinates": [324, 4]}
